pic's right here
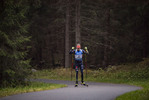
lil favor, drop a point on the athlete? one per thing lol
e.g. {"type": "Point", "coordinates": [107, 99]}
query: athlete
{"type": "Point", "coordinates": [79, 61]}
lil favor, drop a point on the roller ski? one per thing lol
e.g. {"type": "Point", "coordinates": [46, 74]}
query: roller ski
{"type": "Point", "coordinates": [76, 85]}
{"type": "Point", "coordinates": [84, 84]}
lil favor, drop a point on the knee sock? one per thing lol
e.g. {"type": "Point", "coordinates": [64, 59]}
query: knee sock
{"type": "Point", "coordinates": [82, 76]}
{"type": "Point", "coordinates": [76, 77]}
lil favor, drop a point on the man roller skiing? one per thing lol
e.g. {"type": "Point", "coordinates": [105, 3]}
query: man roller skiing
{"type": "Point", "coordinates": [79, 61]}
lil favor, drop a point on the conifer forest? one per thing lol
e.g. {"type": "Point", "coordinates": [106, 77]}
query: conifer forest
{"type": "Point", "coordinates": [40, 33]}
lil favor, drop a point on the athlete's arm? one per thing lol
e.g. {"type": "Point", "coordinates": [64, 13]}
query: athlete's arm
{"type": "Point", "coordinates": [72, 51]}
{"type": "Point", "coordinates": [85, 52]}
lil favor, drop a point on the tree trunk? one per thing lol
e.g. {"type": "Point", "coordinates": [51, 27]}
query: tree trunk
{"type": "Point", "coordinates": [52, 57]}
{"type": "Point", "coordinates": [105, 56]}
{"type": "Point", "coordinates": [77, 22]}
{"type": "Point", "coordinates": [106, 42]}
{"type": "Point", "coordinates": [67, 35]}
{"type": "Point", "coordinates": [146, 41]}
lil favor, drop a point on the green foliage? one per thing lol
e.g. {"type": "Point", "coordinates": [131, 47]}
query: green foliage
{"type": "Point", "coordinates": [127, 72]}
{"type": "Point", "coordinates": [139, 94]}
{"type": "Point", "coordinates": [58, 73]}
{"type": "Point", "coordinates": [14, 66]}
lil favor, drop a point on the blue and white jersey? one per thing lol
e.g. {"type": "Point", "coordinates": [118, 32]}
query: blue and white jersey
{"type": "Point", "coordinates": [78, 54]}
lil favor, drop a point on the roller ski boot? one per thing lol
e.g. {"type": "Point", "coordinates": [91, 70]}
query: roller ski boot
{"type": "Point", "coordinates": [84, 84]}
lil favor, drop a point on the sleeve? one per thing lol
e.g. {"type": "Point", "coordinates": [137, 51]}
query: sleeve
{"type": "Point", "coordinates": [72, 52]}
{"type": "Point", "coordinates": [85, 52]}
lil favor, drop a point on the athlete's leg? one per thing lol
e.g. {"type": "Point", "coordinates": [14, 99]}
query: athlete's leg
{"type": "Point", "coordinates": [81, 69]}
{"type": "Point", "coordinates": [76, 68]}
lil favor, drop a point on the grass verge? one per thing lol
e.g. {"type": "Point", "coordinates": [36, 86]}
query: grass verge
{"type": "Point", "coordinates": [34, 86]}
{"type": "Point", "coordinates": [142, 94]}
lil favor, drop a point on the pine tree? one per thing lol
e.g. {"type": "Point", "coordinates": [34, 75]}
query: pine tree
{"type": "Point", "coordinates": [14, 66]}
{"type": "Point", "coordinates": [67, 34]}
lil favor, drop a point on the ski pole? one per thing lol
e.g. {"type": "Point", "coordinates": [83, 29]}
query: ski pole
{"type": "Point", "coordinates": [86, 62]}
{"type": "Point", "coordinates": [72, 63]}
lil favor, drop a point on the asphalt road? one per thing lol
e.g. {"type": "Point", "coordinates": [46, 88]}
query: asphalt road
{"type": "Point", "coordinates": [95, 91]}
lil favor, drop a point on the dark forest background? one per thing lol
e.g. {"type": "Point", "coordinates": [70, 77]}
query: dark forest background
{"type": "Point", "coordinates": [33, 33]}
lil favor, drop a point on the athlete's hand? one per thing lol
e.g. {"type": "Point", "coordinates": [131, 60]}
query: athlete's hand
{"type": "Point", "coordinates": [85, 48]}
